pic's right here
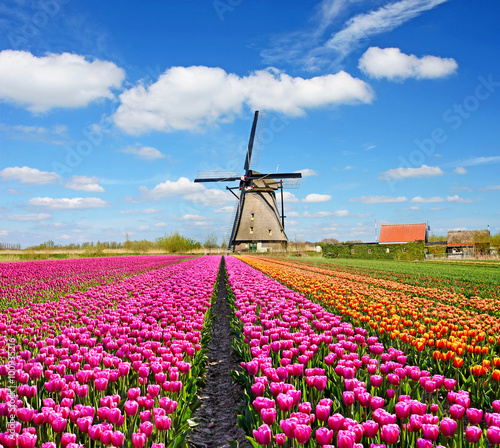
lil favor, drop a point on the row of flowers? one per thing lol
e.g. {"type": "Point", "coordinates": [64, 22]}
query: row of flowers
{"type": "Point", "coordinates": [438, 336]}
{"type": "Point", "coordinates": [115, 365]}
{"type": "Point", "coordinates": [51, 279]}
{"type": "Point", "coordinates": [312, 379]}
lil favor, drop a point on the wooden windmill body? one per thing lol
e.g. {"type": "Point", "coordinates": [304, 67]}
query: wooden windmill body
{"type": "Point", "coordinates": [257, 218]}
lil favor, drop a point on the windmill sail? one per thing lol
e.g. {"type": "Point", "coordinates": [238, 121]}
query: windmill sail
{"type": "Point", "coordinates": [256, 218]}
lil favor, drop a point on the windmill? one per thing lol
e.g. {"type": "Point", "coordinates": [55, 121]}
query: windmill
{"type": "Point", "coordinates": [256, 219]}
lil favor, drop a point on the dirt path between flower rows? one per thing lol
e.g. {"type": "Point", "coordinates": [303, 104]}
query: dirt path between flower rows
{"type": "Point", "coordinates": [217, 415]}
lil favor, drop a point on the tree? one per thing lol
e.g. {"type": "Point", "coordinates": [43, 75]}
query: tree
{"type": "Point", "coordinates": [330, 241]}
{"type": "Point", "coordinates": [211, 241]}
{"type": "Point", "coordinates": [495, 242]}
{"type": "Point", "coordinates": [438, 238]}
{"type": "Point", "coordinates": [176, 243]}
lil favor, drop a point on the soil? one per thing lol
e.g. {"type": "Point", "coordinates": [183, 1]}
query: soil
{"type": "Point", "coordinates": [217, 416]}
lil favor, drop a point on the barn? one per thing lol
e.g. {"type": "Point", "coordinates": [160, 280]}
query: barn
{"type": "Point", "coordinates": [403, 233]}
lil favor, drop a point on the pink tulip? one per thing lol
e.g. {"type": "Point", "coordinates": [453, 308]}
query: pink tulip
{"type": "Point", "coordinates": [288, 427]}
{"type": "Point", "coordinates": [280, 439]}
{"type": "Point", "coordinates": [146, 428]}
{"type": "Point", "coordinates": [430, 432]}
{"type": "Point", "coordinates": [25, 414]}
{"type": "Point", "coordinates": [131, 407]}
{"type": "Point", "coordinates": [475, 416]}
{"type": "Point", "coordinates": [95, 432]}
{"type": "Point", "coordinates": [302, 433]}
{"type": "Point", "coordinates": [324, 436]}
{"type": "Point", "coordinates": [493, 435]}
{"type": "Point", "coordinates": [345, 439]}
{"type": "Point", "coordinates": [473, 434]}
{"type": "Point", "coordinates": [370, 428]}
{"type": "Point", "coordinates": [336, 422]}
{"type": "Point", "coordinates": [389, 433]}
{"type": "Point", "coordinates": [457, 412]}
{"type": "Point", "coordinates": [263, 435]}
{"type": "Point", "coordinates": [162, 423]}
{"type": "Point", "coordinates": [26, 440]}
{"type": "Point", "coordinates": [448, 427]}
{"type": "Point", "coordinates": [322, 413]}
{"type": "Point", "coordinates": [117, 438]}
{"type": "Point", "coordinates": [138, 439]}
{"type": "Point", "coordinates": [268, 415]}
{"type": "Point", "coordinates": [424, 443]}
{"type": "Point", "coordinates": [67, 438]}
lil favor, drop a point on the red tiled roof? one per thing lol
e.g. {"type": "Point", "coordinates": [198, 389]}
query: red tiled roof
{"type": "Point", "coordinates": [402, 233]}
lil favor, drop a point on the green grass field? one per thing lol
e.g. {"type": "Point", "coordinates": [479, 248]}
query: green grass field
{"type": "Point", "coordinates": [468, 278]}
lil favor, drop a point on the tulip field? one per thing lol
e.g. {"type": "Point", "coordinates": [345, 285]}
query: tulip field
{"type": "Point", "coordinates": [112, 352]}
{"type": "Point", "coordinates": [339, 359]}
{"type": "Point", "coordinates": [112, 364]}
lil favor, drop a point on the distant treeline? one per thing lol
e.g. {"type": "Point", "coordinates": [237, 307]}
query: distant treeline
{"type": "Point", "coordinates": [173, 243]}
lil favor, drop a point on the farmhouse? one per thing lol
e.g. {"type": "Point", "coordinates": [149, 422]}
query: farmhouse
{"type": "Point", "coordinates": [403, 233]}
{"type": "Point", "coordinates": [468, 243]}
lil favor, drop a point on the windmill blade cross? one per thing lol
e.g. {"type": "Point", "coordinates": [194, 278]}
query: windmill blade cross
{"type": "Point", "coordinates": [250, 142]}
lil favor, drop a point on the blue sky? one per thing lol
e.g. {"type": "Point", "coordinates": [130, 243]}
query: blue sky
{"type": "Point", "coordinates": [390, 109]}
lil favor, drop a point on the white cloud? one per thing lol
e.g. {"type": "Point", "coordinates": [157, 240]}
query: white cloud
{"type": "Point", "coordinates": [292, 215]}
{"type": "Point", "coordinates": [161, 224]}
{"type": "Point", "coordinates": [227, 209]}
{"type": "Point", "coordinates": [474, 161]}
{"type": "Point", "coordinates": [315, 197]}
{"type": "Point", "coordinates": [193, 218]}
{"type": "Point", "coordinates": [317, 214]}
{"type": "Point", "coordinates": [460, 170]}
{"type": "Point", "coordinates": [414, 207]}
{"type": "Point", "coordinates": [378, 199]}
{"type": "Point", "coordinates": [145, 153]}
{"type": "Point", "coordinates": [129, 212]}
{"type": "Point", "coordinates": [307, 172]}
{"type": "Point", "coordinates": [29, 176]}
{"type": "Point", "coordinates": [341, 213]}
{"type": "Point", "coordinates": [55, 80]}
{"type": "Point", "coordinates": [456, 198]}
{"type": "Point", "coordinates": [29, 217]}
{"type": "Point", "coordinates": [210, 198]}
{"type": "Point", "coordinates": [3, 233]}
{"type": "Point", "coordinates": [422, 200]}
{"type": "Point", "coordinates": [382, 20]}
{"type": "Point", "coordinates": [406, 173]}
{"type": "Point", "coordinates": [289, 197]}
{"type": "Point", "coordinates": [84, 183]}
{"type": "Point", "coordinates": [172, 188]}
{"type": "Point", "coordinates": [346, 168]}
{"type": "Point", "coordinates": [150, 211]}
{"type": "Point", "coordinates": [394, 65]}
{"type": "Point", "coordinates": [189, 98]}
{"type": "Point", "coordinates": [67, 203]}
{"type": "Point", "coordinates": [490, 187]}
